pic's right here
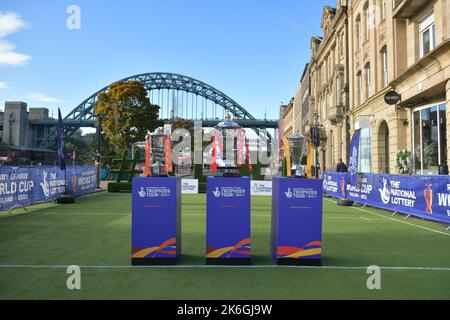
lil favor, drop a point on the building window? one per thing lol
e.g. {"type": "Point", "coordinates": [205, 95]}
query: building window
{"type": "Point", "coordinates": [359, 88]}
{"type": "Point", "coordinates": [368, 80]}
{"type": "Point", "coordinates": [384, 64]}
{"type": "Point", "coordinates": [367, 22]}
{"type": "Point", "coordinates": [365, 147]}
{"type": "Point", "coordinates": [383, 10]}
{"type": "Point", "coordinates": [427, 36]}
{"type": "Point", "coordinates": [358, 31]}
{"type": "Point", "coordinates": [430, 138]}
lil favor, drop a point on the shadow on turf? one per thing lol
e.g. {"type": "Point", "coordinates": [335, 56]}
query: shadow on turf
{"type": "Point", "coordinates": [198, 260]}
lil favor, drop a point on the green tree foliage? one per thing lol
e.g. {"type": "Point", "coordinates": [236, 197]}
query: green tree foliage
{"type": "Point", "coordinates": [127, 113]}
{"type": "Point", "coordinates": [81, 144]}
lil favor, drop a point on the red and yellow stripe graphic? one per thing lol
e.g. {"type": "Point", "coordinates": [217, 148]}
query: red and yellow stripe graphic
{"type": "Point", "coordinates": [167, 247]}
{"type": "Point", "coordinates": [311, 249]}
{"type": "Point", "coordinates": [242, 247]}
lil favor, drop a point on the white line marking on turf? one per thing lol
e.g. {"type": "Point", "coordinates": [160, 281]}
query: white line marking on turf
{"type": "Point", "coordinates": [19, 266]}
{"type": "Point", "coordinates": [401, 221]}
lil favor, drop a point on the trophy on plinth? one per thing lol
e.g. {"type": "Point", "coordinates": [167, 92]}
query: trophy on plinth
{"type": "Point", "coordinates": [296, 233]}
{"type": "Point", "coordinates": [298, 149]}
{"type": "Point", "coordinates": [227, 135]}
{"type": "Point", "coordinates": [158, 141]}
{"type": "Point", "coordinates": [228, 237]}
{"type": "Point", "coordinates": [156, 207]}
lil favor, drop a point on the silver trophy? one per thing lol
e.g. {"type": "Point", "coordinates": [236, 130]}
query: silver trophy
{"type": "Point", "coordinates": [158, 156]}
{"type": "Point", "coordinates": [227, 165]}
{"type": "Point", "coordinates": [298, 145]}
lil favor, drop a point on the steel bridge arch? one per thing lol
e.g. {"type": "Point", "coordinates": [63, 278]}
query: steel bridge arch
{"type": "Point", "coordinates": [84, 112]}
{"type": "Point", "coordinates": [167, 81]}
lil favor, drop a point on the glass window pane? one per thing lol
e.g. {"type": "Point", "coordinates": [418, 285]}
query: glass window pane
{"type": "Point", "coordinates": [443, 133]}
{"type": "Point", "coordinates": [365, 151]}
{"type": "Point", "coordinates": [433, 37]}
{"type": "Point", "coordinates": [425, 42]}
{"type": "Point", "coordinates": [430, 140]}
{"type": "Point", "coordinates": [417, 144]}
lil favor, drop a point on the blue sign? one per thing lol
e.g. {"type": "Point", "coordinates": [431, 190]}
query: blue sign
{"type": "Point", "coordinates": [156, 220]}
{"type": "Point", "coordinates": [422, 196]}
{"type": "Point", "coordinates": [21, 187]}
{"type": "Point", "coordinates": [81, 180]}
{"type": "Point", "coordinates": [426, 197]}
{"type": "Point", "coordinates": [353, 162]}
{"type": "Point", "coordinates": [296, 236]}
{"type": "Point", "coordinates": [228, 234]}
{"type": "Point", "coordinates": [334, 184]}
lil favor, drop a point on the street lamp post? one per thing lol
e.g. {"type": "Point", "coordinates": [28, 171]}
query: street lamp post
{"type": "Point", "coordinates": [315, 135]}
{"type": "Point", "coordinates": [98, 152]}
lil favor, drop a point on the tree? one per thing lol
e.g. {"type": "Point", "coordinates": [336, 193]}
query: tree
{"type": "Point", "coordinates": [80, 144]}
{"type": "Point", "coordinates": [126, 113]}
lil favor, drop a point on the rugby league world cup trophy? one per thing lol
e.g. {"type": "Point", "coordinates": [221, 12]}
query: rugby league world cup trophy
{"type": "Point", "coordinates": [156, 206]}
{"type": "Point", "coordinates": [228, 238]}
{"type": "Point", "coordinates": [296, 234]}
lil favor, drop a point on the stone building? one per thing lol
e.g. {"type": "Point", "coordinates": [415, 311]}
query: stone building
{"type": "Point", "coordinates": [368, 48]}
{"type": "Point", "coordinates": [329, 99]}
{"type": "Point", "coordinates": [404, 46]}
{"type": "Point", "coordinates": [288, 118]}
{"type": "Point", "coordinates": [305, 96]}
{"type": "Point", "coordinates": [18, 129]}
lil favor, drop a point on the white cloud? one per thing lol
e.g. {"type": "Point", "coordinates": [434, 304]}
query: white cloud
{"type": "Point", "coordinates": [4, 85]}
{"type": "Point", "coordinates": [8, 57]}
{"type": "Point", "coordinates": [39, 97]}
{"type": "Point", "coordinates": [10, 22]}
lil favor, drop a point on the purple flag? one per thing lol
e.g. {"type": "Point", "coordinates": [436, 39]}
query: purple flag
{"type": "Point", "coordinates": [353, 162]}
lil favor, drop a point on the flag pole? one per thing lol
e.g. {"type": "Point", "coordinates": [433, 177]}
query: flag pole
{"type": "Point", "coordinates": [65, 198]}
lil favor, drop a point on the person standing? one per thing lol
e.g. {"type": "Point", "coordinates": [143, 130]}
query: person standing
{"type": "Point", "coordinates": [341, 167]}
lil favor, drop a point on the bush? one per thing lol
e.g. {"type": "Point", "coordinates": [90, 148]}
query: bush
{"type": "Point", "coordinates": [403, 161]}
{"type": "Point", "coordinates": [201, 187]}
{"type": "Point", "coordinates": [256, 174]}
{"type": "Point", "coordinates": [119, 187]}
{"type": "Point", "coordinates": [198, 171]}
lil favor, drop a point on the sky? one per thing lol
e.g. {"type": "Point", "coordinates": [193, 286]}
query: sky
{"type": "Point", "coordinates": [244, 48]}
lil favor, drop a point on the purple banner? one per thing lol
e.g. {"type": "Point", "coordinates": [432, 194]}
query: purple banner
{"type": "Point", "coordinates": [426, 197]}
{"type": "Point", "coordinates": [156, 220]}
{"type": "Point", "coordinates": [228, 233]}
{"type": "Point", "coordinates": [334, 184]}
{"type": "Point", "coordinates": [297, 220]}
{"type": "Point", "coordinates": [21, 187]}
{"type": "Point", "coordinates": [353, 161]}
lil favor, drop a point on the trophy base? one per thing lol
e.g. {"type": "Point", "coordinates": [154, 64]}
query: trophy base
{"type": "Point", "coordinates": [228, 262]}
{"type": "Point", "coordinates": [228, 172]}
{"type": "Point", "coordinates": [299, 262]}
{"type": "Point", "coordinates": [154, 261]}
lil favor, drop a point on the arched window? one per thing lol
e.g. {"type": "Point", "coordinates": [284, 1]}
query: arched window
{"type": "Point", "coordinates": [367, 21]}
{"type": "Point", "coordinates": [358, 88]}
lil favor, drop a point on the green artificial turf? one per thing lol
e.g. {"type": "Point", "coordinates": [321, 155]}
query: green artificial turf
{"type": "Point", "coordinates": [96, 232]}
